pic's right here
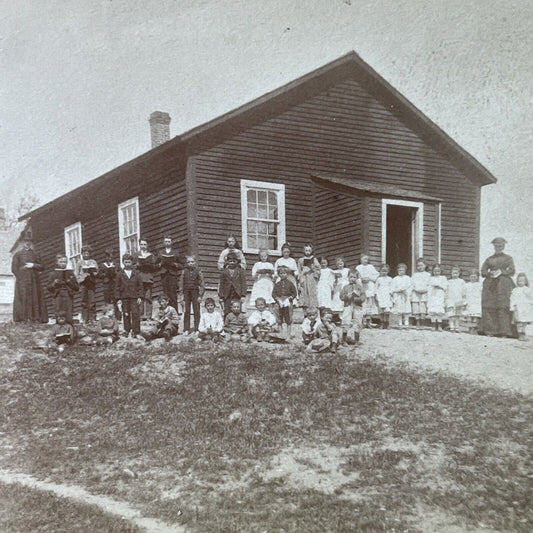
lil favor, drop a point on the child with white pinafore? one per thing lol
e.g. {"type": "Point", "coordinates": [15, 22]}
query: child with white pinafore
{"type": "Point", "coordinates": [263, 274]}
{"type": "Point", "coordinates": [383, 295]}
{"type": "Point", "coordinates": [437, 296]}
{"type": "Point", "coordinates": [472, 310]}
{"type": "Point", "coordinates": [341, 280]}
{"type": "Point", "coordinates": [401, 290]}
{"type": "Point", "coordinates": [419, 292]}
{"type": "Point", "coordinates": [369, 275]}
{"type": "Point", "coordinates": [522, 305]}
{"type": "Point", "coordinates": [324, 287]}
{"type": "Point", "coordinates": [455, 298]}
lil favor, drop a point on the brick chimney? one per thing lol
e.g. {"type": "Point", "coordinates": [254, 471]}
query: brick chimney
{"type": "Point", "coordinates": [159, 128]}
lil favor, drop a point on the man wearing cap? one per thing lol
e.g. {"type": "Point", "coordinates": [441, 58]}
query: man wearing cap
{"type": "Point", "coordinates": [497, 270]}
{"type": "Point", "coordinates": [29, 303]}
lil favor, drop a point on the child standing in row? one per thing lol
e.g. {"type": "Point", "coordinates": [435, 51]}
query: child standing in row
{"type": "Point", "coordinates": [455, 295]}
{"type": "Point", "coordinates": [211, 325]}
{"type": "Point", "coordinates": [341, 274]}
{"type": "Point", "coordinates": [353, 297]}
{"type": "Point", "coordinates": [86, 271]}
{"type": "Point", "coordinates": [284, 294]}
{"type": "Point", "coordinates": [368, 275]}
{"type": "Point", "coordinates": [437, 296]}
{"type": "Point", "coordinates": [108, 272]}
{"type": "Point", "coordinates": [472, 310]}
{"type": "Point", "coordinates": [232, 285]}
{"type": "Point", "coordinates": [63, 284]}
{"type": "Point", "coordinates": [129, 291]}
{"type": "Point", "coordinates": [522, 305]}
{"type": "Point", "coordinates": [263, 274]}
{"type": "Point", "coordinates": [324, 287]}
{"type": "Point", "coordinates": [192, 288]}
{"type": "Point", "coordinates": [146, 264]}
{"type": "Point", "coordinates": [400, 290]}
{"type": "Point", "coordinates": [288, 262]}
{"type": "Point", "coordinates": [419, 293]}
{"type": "Point", "coordinates": [383, 295]}
{"type": "Point", "coordinates": [308, 273]}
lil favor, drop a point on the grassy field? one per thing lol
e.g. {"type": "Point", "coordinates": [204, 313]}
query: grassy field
{"type": "Point", "coordinates": [251, 439]}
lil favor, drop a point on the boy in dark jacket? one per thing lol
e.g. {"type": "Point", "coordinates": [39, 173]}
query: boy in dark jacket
{"type": "Point", "coordinates": [232, 285]}
{"type": "Point", "coordinates": [146, 263]}
{"type": "Point", "coordinates": [284, 293]}
{"type": "Point", "coordinates": [63, 284]}
{"type": "Point", "coordinates": [129, 291]}
{"type": "Point", "coordinates": [108, 273]}
{"type": "Point", "coordinates": [192, 288]}
{"type": "Point", "coordinates": [171, 266]}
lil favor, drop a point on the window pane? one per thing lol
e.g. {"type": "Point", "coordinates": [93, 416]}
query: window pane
{"type": "Point", "coordinates": [252, 210]}
{"type": "Point", "coordinates": [272, 243]}
{"type": "Point", "coordinates": [251, 196]}
{"type": "Point", "coordinates": [273, 212]}
{"type": "Point", "coordinates": [263, 242]}
{"type": "Point", "coordinates": [252, 241]}
{"type": "Point", "coordinates": [262, 197]}
{"type": "Point", "coordinates": [251, 227]}
{"type": "Point", "coordinates": [272, 229]}
{"type": "Point", "coordinates": [272, 198]}
{"type": "Point", "coordinates": [262, 211]}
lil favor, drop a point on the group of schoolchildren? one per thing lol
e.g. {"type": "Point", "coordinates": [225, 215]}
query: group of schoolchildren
{"type": "Point", "coordinates": [337, 302]}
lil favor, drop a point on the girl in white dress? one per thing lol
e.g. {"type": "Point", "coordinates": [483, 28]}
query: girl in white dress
{"type": "Point", "coordinates": [341, 280]}
{"type": "Point", "coordinates": [262, 274]}
{"type": "Point", "coordinates": [369, 275]}
{"type": "Point", "coordinates": [437, 296]}
{"type": "Point", "coordinates": [472, 309]}
{"type": "Point", "coordinates": [419, 292]}
{"type": "Point", "coordinates": [401, 290]}
{"type": "Point", "coordinates": [522, 305]}
{"type": "Point", "coordinates": [455, 298]}
{"type": "Point", "coordinates": [383, 295]}
{"type": "Point", "coordinates": [324, 287]}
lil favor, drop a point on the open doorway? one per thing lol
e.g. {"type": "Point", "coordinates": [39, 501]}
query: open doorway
{"type": "Point", "coordinates": [402, 233]}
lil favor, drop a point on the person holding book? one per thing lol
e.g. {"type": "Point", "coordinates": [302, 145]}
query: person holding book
{"type": "Point", "coordinates": [86, 272]}
{"type": "Point", "coordinates": [171, 265]}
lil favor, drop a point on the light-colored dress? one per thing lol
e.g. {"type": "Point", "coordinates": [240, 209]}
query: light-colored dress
{"type": "Point", "coordinates": [455, 295]}
{"type": "Point", "coordinates": [262, 273]}
{"type": "Point", "coordinates": [522, 304]}
{"type": "Point", "coordinates": [401, 289]}
{"type": "Point", "coordinates": [222, 258]}
{"type": "Point", "coordinates": [369, 275]}
{"type": "Point", "coordinates": [324, 287]}
{"type": "Point", "coordinates": [437, 296]}
{"type": "Point", "coordinates": [309, 271]}
{"type": "Point", "coordinates": [473, 298]}
{"type": "Point", "coordinates": [341, 280]}
{"type": "Point", "coordinates": [419, 284]}
{"type": "Point", "coordinates": [383, 293]}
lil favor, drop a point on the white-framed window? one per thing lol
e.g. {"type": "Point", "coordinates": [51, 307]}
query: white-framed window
{"type": "Point", "coordinates": [73, 243]}
{"type": "Point", "coordinates": [128, 226]}
{"type": "Point", "coordinates": [263, 216]}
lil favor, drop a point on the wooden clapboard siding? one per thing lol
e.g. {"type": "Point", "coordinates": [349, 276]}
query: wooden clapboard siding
{"type": "Point", "coordinates": [344, 131]}
{"type": "Point", "coordinates": [338, 221]}
{"type": "Point", "coordinates": [162, 210]}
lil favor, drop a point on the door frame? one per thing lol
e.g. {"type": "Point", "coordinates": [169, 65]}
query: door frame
{"type": "Point", "coordinates": [417, 228]}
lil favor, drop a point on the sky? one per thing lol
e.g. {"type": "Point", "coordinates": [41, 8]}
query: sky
{"type": "Point", "coordinates": [79, 80]}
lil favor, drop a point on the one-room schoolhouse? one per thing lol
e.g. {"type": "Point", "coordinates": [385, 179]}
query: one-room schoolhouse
{"type": "Point", "coordinates": [337, 158]}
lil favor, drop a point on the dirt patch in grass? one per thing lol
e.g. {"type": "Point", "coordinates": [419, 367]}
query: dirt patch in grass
{"type": "Point", "coordinates": [250, 439]}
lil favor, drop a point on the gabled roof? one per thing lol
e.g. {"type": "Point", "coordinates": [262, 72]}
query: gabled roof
{"type": "Point", "coordinates": [371, 187]}
{"type": "Point", "coordinates": [349, 66]}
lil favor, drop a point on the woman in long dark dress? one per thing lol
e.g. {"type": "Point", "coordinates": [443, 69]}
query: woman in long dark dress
{"type": "Point", "coordinates": [497, 270]}
{"type": "Point", "coordinates": [29, 303]}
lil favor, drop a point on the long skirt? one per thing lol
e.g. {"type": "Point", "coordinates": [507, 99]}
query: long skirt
{"type": "Point", "coordinates": [496, 317]}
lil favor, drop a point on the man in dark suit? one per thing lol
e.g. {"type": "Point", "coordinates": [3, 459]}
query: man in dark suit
{"type": "Point", "coordinates": [129, 291]}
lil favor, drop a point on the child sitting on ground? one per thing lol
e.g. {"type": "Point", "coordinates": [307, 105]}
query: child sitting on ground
{"type": "Point", "coordinates": [236, 325]}
{"type": "Point", "coordinates": [261, 322]}
{"type": "Point", "coordinates": [284, 293]}
{"type": "Point", "coordinates": [107, 326]}
{"type": "Point", "coordinates": [310, 325]}
{"type": "Point", "coordinates": [61, 334]}
{"type": "Point", "coordinates": [353, 296]}
{"type": "Point", "coordinates": [167, 322]}
{"type": "Point", "coordinates": [211, 326]}
{"type": "Point", "coordinates": [328, 334]}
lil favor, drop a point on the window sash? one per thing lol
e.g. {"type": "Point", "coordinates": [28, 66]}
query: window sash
{"type": "Point", "coordinates": [129, 231]}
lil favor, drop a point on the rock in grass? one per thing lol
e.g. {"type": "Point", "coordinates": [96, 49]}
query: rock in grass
{"type": "Point", "coordinates": [236, 415]}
